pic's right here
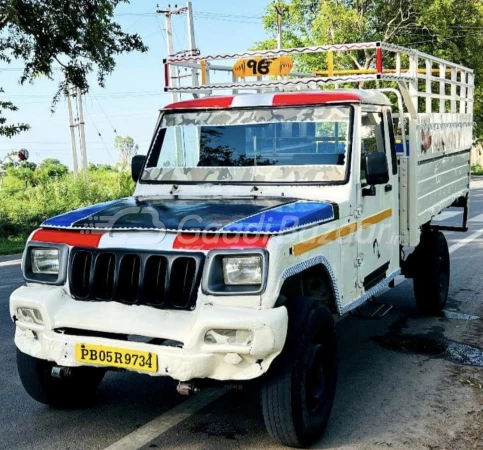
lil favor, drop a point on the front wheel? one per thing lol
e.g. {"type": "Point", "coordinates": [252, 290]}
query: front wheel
{"type": "Point", "coordinates": [77, 389]}
{"type": "Point", "coordinates": [298, 394]}
{"type": "Point", "coordinates": [431, 280]}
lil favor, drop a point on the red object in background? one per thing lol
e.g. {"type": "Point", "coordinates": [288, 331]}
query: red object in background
{"type": "Point", "coordinates": [23, 155]}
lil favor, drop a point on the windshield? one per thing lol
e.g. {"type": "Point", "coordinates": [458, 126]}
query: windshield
{"type": "Point", "coordinates": [285, 145]}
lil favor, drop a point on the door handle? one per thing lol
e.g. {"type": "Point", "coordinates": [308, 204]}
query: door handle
{"type": "Point", "coordinates": [388, 188]}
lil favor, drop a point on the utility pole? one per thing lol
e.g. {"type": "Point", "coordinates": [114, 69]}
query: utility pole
{"type": "Point", "coordinates": [173, 78]}
{"type": "Point", "coordinates": [82, 135]}
{"type": "Point", "coordinates": [279, 10]}
{"type": "Point", "coordinates": [72, 135]}
{"type": "Point", "coordinates": [192, 42]}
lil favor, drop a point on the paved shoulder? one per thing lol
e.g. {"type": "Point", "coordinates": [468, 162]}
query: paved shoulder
{"type": "Point", "coordinates": [11, 259]}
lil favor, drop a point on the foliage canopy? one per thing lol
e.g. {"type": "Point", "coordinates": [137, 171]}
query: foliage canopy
{"type": "Point", "coordinates": [80, 36]}
{"type": "Point", "coordinates": [450, 29]}
{"type": "Point", "coordinates": [127, 149]}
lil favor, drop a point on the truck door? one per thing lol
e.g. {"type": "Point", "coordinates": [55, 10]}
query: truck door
{"type": "Point", "coordinates": [378, 222]}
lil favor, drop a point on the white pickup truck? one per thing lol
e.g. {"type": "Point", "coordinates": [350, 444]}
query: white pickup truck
{"type": "Point", "coordinates": [256, 219]}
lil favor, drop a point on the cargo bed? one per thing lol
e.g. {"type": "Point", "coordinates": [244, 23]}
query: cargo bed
{"type": "Point", "coordinates": [435, 178]}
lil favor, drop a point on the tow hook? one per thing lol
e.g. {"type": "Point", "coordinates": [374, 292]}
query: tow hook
{"type": "Point", "coordinates": [61, 372]}
{"type": "Point", "coordinates": [187, 388]}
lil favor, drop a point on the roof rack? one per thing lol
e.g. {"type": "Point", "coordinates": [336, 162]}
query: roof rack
{"type": "Point", "coordinates": [254, 72]}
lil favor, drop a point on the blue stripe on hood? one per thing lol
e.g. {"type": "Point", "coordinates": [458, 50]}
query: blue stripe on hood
{"type": "Point", "coordinates": [284, 218]}
{"type": "Point", "coordinates": [68, 219]}
{"type": "Point", "coordinates": [236, 215]}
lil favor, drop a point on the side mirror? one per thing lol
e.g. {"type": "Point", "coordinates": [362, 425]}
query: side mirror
{"type": "Point", "coordinates": [377, 171]}
{"type": "Point", "coordinates": [137, 165]}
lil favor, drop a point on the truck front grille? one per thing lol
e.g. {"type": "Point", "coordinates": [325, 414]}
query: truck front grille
{"type": "Point", "coordinates": [160, 280]}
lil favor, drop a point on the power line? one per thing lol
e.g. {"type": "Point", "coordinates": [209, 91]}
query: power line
{"type": "Point", "coordinates": [104, 112]}
{"type": "Point", "coordinates": [211, 13]}
{"type": "Point", "coordinates": [148, 13]}
{"type": "Point", "coordinates": [177, 38]}
{"type": "Point", "coordinates": [100, 135]}
{"type": "Point", "coordinates": [101, 95]}
{"type": "Point", "coordinates": [161, 29]}
{"type": "Point", "coordinates": [226, 19]}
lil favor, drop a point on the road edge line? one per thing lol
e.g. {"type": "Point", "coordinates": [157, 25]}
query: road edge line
{"type": "Point", "coordinates": [14, 262]}
{"type": "Point", "coordinates": [462, 242]}
{"type": "Point", "coordinates": [161, 424]}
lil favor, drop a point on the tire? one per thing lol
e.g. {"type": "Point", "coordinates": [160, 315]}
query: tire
{"type": "Point", "coordinates": [75, 390]}
{"type": "Point", "coordinates": [298, 393]}
{"type": "Point", "coordinates": [431, 279]}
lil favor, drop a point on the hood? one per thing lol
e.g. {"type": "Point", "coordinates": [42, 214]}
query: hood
{"type": "Point", "coordinates": [236, 215]}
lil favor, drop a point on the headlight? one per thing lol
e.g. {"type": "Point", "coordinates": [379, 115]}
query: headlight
{"type": "Point", "coordinates": [45, 261]}
{"type": "Point", "coordinates": [235, 272]}
{"type": "Point", "coordinates": [242, 270]}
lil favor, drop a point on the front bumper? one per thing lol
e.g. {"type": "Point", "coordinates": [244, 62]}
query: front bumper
{"type": "Point", "coordinates": [194, 360]}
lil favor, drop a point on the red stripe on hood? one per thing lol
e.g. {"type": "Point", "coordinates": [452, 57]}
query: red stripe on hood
{"type": "Point", "coordinates": [186, 241]}
{"type": "Point", "coordinates": [73, 238]}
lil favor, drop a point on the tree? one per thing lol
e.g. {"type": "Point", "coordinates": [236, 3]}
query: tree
{"type": "Point", "coordinates": [101, 167]}
{"type": "Point", "coordinates": [79, 36]}
{"type": "Point", "coordinates": [127, 149]}
{"type": "Point", "coordinates": [450, 29]}
{"type": "Point", "coordinates": [52, 167]}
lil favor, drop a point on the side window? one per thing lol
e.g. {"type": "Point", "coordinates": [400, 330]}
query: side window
{"type": "Point", "coordinates": [372, 138]}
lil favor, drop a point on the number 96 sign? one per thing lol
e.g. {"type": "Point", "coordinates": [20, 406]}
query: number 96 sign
{"type": "Point", "coordinates": [256, 67]}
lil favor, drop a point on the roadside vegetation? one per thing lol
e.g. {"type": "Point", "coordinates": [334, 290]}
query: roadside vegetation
{"type": "Point", "coordinates": [83, 38]}
{"type": "Point", "coordinates": [12, 244]}
{"type": "Point", "coordinates": [477, 169]}
{"type": "Point", "coordinates": [29, 194]}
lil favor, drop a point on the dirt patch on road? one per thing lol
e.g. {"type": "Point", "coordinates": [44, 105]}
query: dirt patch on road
{"type": "Point", "coordinates": [435, 346]}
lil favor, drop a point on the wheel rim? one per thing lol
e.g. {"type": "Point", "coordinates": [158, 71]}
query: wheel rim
{"type": "Point", "coordinates": [316, 380]}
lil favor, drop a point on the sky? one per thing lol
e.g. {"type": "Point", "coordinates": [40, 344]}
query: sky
{"type": "Point", "coordinates": [129, 104]}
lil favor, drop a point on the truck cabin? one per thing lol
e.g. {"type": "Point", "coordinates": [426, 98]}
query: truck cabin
{"type": "Point", "coordinates": [310, 136]}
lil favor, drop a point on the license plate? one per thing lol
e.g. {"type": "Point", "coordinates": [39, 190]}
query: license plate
{"type": "Point", "coordinates": [116, 357]}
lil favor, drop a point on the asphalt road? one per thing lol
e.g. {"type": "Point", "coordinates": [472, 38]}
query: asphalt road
{"type": "Point", "coordinates": [397, 387]}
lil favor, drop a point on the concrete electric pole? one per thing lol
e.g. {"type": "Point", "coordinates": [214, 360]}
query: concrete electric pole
{"type": "Point", "coordinates": [82, 135]}
{"type": "Point", "coordinates": [75, 166]}
{"type": "Point", "coordinates": [279, 9]}
{"type": "Point", "coordinates": [174, 78]}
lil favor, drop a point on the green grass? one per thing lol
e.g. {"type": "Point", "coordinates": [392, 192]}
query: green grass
{"type": "Point", "coordinates": [12, 244]}
{"type": "Point", "coordinates": [28, 197]}
{"type": "Point", "coordinates": [476, 170]}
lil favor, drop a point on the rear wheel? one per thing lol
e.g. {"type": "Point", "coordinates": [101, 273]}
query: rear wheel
{"type": "Point", "coordinates": [298, 394]}
{"type": "Point", "coordinates": [76, 389]}
{"type": "Point", "coordinates": [431, 279]}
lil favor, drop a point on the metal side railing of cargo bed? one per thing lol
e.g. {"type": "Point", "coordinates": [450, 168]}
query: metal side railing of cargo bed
{"type": "Point", "coordinates": [436, 94]}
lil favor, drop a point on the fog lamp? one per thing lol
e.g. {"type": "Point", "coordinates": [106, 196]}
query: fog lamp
{"type": "Point", "coordinates": [229, 337]}
{"type": "Point", "coordinates": [29, 315]}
